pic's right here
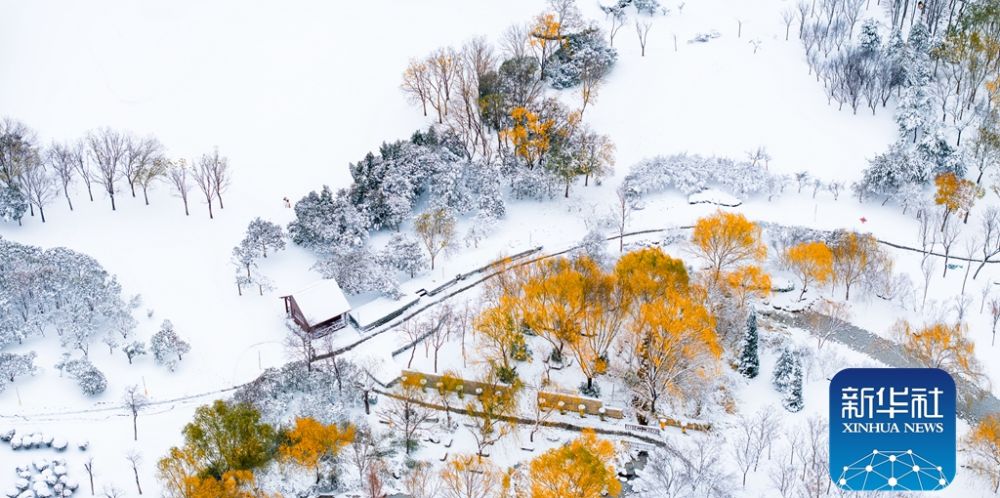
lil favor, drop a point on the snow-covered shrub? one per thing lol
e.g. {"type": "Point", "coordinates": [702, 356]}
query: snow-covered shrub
{"type": "Point", "coordinates": [692, 173]}
{"type": "Point", "coordinates": [168, 348]}
{"type": "Point", "coordinates": [90, 379]}
{"type": "Point", "coordinates": [324, 392]}
{"type": "Point", "coordinates": [534, 183]}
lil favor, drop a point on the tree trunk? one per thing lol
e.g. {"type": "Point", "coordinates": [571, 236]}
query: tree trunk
{"type": "Point", "coordinates": [66, 193]}
{"type": "Point", "coordinates": [90, 192]}
{"type": "Point", "coordinates": [136, 473]}
{"type": "Point", "coordinates": [211, 216]}
{"type": "Point", "coordinates": [135, 426]}
{"type": "Point", "coordinates": [145, 194]}
{"type": "Point", "coordinates": [218, 195]}
{"type": "Point", "coordinates": [112, 194]}
{"type": "Point", "coordinates": [131, 185]}
{"type": "Point", "coordinates": [186, 212]}
{"type": "Point", "coordinates": [41, 212]}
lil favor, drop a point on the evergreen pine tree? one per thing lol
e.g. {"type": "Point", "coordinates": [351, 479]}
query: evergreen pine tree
{"type": "Point", "coordinates": [749, 365]}
{"type": "Point", "coordinates": [793, 398]}
{"type": "Point", "coordinates": [788, 380]}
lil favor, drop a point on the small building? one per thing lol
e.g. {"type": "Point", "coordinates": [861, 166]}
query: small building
{"type": "Point", "coordinates": [319, 309]}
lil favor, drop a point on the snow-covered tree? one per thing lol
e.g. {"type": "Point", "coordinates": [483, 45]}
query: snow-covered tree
{"type": "Point", "coordinates": [787, 380]}
{"type": "Point", "coordinates": [264, 235]}
{"type": "Point", "coordinates": [168, 348]}
{"type": "Point", "coordinates": [13, 204]}
{"type": "Point", "coordinates": [595, 246]}
{"type": "Point", "coordinates": [581, 55]}
{"type": "Point", "coordinates": [358, 271]}
{"type": "Point", "coordinates": [134, 350]}
{"type": "Point", "coordinates": [14, 365]}
{"type": "Point", "coordinates": [325, 220]}
{"type": "Point", "coordinates": [749, 364]}
{"type": "Point", "coordinates": [869, 40]}
{"type": "Point", "coordinates": [404, 254]}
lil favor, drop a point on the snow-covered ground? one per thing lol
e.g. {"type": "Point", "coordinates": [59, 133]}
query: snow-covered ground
{"type": "Point", "coordinates": [292, 92]}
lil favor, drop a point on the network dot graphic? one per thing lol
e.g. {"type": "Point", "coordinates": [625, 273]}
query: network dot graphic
{"type": "Point", "coordinates": [892, 470]}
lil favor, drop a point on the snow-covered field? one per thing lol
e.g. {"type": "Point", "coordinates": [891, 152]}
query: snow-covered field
{"type": "Point", "coordinates": [292, 92]}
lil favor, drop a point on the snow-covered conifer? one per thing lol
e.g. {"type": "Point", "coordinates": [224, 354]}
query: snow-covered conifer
{"type": "Point", "coordinates": [405, 254]}
{"type": "Point", "coordinates": [749, 364]}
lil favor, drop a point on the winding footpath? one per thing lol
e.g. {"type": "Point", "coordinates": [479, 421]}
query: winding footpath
{"type": "Point", "coordinates": [890, 353]}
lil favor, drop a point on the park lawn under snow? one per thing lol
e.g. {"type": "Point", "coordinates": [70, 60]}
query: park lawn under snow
{"type": "Point", "coordinates": [292, 92]}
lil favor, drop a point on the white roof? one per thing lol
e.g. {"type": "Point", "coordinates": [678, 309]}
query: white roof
{"type": "Point", "coordinates": [321, 301]}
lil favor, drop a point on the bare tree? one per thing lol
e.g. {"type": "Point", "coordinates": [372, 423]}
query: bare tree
{"type": "Point", "coordinates": [81, 162]}
{"type": "Point", "coordinates": [739, 27]}
{"type": "Point", "coordinates": [179, 176]}
{"type": "Point", "coordinates": [219, 174]}
{"type": "Point", "coordinates": [927, 270]}
{"type": "Point", "coordinates": [150, 172]}
{"type": "Point", "coordinates": [89, 467]}
{"type": "Point", "coordinates": [991, 236]}
{"type": "Point", "coordinates": [436, 230]}
{"type": "Point", "coordinates": [134, 459]}
{"type": "Point", "coordinates": [971, 245]}
{"type": "Point", "coordinates": [788, 15]}
{"type": "Point", "coordinates": [995, 316]}
{"type": "Point", "coordinates": [783, 478]}
{"type": "Point", "coordinates": [514, 41]}
{"type": "Point", "coordinates": [134, 401]}
{"type": "Point", "coordinates": [17, 144]}
{"type": "Point", "coordinates": [803, 8]}
{"type": "Point", "coordinates": [442, 71]}
{"type": "Point", "coordinates": [827, 319]}
{"type": "Point", "coordinates": [949, 235]}
{"type": "Point", "coordinates": [441, 333]}
{"type": "Point", "coordinates": [622, 212]}
{"type": "Point", "coordinates": [39, 186]}
{"type": "Point", "coordinates": [618, 19]}
{"type": "Point", "coordinates": [299, 343]}
{"type": "Point", "coordinates": [416, 83]}
{"type": "Point", "coordinates": [107, 149]}
{"type": "Point", "coordinates": [413, 329]}
{"type": "Point", "coordinates": [365, 450]}
{"type": "Point", "coordinates": [60, 158]}
{"type": "Point", "coordinates": [407, 415]}
{"type": "Point", "coordinates": [642, 29]}
{"type": "Point", "coordinates": [422, 481]}
{"type": "Point", "coordinates": [147, 164]}
{"type": "Point", "coordinates": [202, 174]}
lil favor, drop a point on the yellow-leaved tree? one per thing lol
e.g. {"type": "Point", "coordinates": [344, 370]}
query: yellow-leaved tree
{"type": "Point", "coordinates": [580, 469]}
{"type": "Point", "coordinates": [944, 346]}
{"type": "Point", "coordinates": [747, 282]}
{"type": "Point", "coordinates": [955, 195]}
{"type": "Point", "coordinates": [310, 443]}
{"type": "Point", "coordinates": [983, 447]}
{"type": "Point", "coordinates": [811, 262]}
{"type": "Point", "coordinates": [726, 240]}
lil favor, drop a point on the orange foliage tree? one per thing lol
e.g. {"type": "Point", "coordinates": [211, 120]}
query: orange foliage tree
{"type": "Point", "coordinates": [983, 446]}
{"type": "Point", "coordinates": [580, 469]}
{"type": "Point", "coordinates": [748, 281]}
{"type": "Point", "coordinates": [726, 240]}
{"type": "Point", "coordinates": [854, 256]}
{"type": "Point", "coordinates": [675, 344]}
{"type": "Point", "coordinates": [530, 134]}
{"type": "Point", "coordinates": [468, 476]}
{"type": "Point", "coordinates": [311, 443]}
{"type": "Point", "coordinates": [812, 262]}
{"type": "Point", "coordinates": [955, 195]}
{"type": "Point", "coordinates": [944, 346]}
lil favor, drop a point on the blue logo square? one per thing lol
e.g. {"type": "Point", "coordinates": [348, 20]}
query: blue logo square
{"type": "Point", "coordinates": [892, 429]}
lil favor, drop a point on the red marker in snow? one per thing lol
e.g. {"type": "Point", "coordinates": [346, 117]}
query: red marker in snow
{"type": "Point", "coordinates": [863, 219]}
